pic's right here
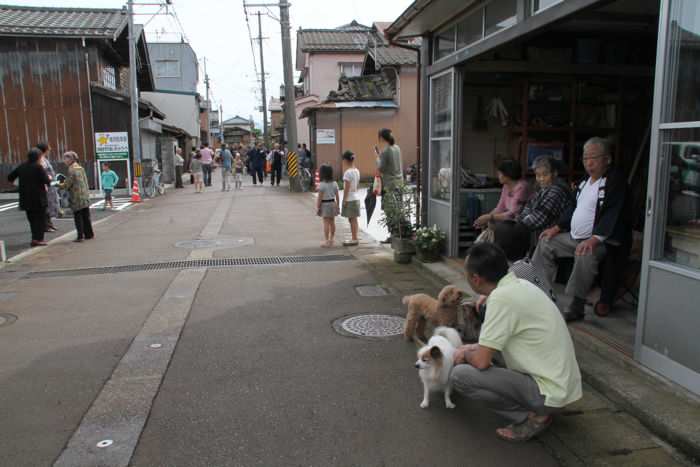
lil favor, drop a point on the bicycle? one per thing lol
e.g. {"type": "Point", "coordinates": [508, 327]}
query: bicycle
{"type": "Point", "coordinates": [152, 185]}
{"type": "Point", "coordinates": [305, 179]}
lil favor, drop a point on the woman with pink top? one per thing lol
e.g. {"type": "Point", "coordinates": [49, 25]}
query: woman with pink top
{"type": "Point", "coordinates": [514, 195]}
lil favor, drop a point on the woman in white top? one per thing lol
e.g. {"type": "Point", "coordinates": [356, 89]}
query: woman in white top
{"type": "Point", "coordinates": [351, 197]}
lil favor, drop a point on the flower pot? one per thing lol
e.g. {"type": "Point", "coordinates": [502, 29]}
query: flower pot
{"type": "Point", "coordinates": [404, 249]}
{"type": "Point", "coordinates": [404, 245]}
{"type": "Point", "coordinates": [428, 256]}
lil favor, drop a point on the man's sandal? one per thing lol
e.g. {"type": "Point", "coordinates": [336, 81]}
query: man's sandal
{"type": "Point", "coordinates": [526, 430]}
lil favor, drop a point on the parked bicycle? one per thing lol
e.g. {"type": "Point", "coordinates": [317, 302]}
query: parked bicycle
{"type": "Point", "coordinates": [152, 185]}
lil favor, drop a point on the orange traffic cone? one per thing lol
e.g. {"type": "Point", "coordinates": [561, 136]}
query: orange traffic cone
{"type": "Point", "coordinates": [135, 196]}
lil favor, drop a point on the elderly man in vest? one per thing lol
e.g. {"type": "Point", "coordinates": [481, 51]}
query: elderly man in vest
{"type": "Point", "coordinates": [584, 232]}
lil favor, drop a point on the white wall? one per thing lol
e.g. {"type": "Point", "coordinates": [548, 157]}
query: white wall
{"type": "Point", "coordinates": [180, 110]}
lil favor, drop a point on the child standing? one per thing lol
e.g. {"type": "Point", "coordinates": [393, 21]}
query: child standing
{"type": "Point", "coordinates": [109, 180]}
{"type": "Point", "coordinates": [238, 172]}
{"type": "Point", "coordinates": [197, 172]}
{"type": "Point", "coordinates": [327, 203]}
{"type": "Point", "coordinates": [351, 198]}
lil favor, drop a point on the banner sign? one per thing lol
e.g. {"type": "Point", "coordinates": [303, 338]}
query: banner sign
{"type": "Point", "coordinates": [112, 145]}
{"type": "Point", "coordinates": [325, 136]}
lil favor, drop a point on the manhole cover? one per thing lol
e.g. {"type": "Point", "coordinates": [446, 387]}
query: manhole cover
{"type": "Point", "coordinates": [371, 291]}
{"type": "Point", "coordinates": [6, 319]}
{"type": "Point", "coordinates": [216, 243]}
{"type": "Point", "coordinates": [370, 325]}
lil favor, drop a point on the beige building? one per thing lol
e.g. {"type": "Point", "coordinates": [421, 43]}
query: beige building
{"type": "Point", "coordinates": [383, 95]}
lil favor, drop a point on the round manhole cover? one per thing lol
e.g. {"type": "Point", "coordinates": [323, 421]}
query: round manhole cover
{"type": "Point", "coordinates": [370, 325]}
{"type": "Point", "coordinates": [6, 319]}
{"type": "Point", "coordinates": [215, 243]}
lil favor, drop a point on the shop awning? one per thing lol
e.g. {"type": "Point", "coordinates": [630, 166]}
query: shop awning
{"type": "Point", "coordinates": [388, 104]}
{"type": "Point", "coordinates": [425, 15]}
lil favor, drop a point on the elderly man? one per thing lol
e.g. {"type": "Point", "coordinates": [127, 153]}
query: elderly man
{"type": "Point", "coordinates": [541, 375]}
{"type": "Point", "coordinates": [597, 219]}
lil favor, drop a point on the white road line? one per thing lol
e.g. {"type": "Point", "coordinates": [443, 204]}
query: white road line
{"type": "Point", "coordinates": [7, 207]}
{"type": "Point", "coordinates": [121, 409]}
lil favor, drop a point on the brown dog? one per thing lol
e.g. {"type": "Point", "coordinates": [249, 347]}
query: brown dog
{"type": "Point", "coordinates": [440, 312]}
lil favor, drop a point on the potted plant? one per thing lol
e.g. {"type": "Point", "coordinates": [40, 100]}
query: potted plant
{"type": "Point", "coordinates": [398, 219]}
{"type": "Point", "coordinates": [429, 243]}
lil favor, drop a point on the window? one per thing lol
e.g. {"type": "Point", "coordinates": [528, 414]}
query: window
{"type": "Point", "coordinates": [167, 68]}
{"type": "Point", "coordinates": [682, 94]}
{"type": "Point", "coordinates": [539, 5]}
{"type": "Point", "coordinates": [441, 137]}
{"type": "Point", "coordinates": [680, 154]}
{"type": "Point", "coordinates": [109, 77]}
{"type": "Point", "coordinates": [470, 29]}
{"type": "Point", "coordinates": [444, 43]}
{"type": "Point", "coordinates": [500, 15]}
{"type": "Point", "coordinates": [350, 70]}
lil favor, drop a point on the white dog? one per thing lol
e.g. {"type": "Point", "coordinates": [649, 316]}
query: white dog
{"type": "Point", "coordinates": [435, 361]}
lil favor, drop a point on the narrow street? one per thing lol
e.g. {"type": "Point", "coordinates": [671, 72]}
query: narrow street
{"type": "Point", "coordinates": [258, 375]}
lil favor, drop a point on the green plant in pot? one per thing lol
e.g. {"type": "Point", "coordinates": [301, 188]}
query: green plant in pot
{"type": "Point", "coordinates": [399, 208]}
{"type": "Point", "coordinates": [429, 243]}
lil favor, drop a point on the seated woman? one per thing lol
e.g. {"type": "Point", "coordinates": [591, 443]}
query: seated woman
{"type": "Point", "coordinates": [513, 196]}
{"type": "Point", "coordinates": [550, 201]}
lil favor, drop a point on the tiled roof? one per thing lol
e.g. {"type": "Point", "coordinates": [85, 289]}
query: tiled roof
{"type": "Point", "coordinates": [364, 88]}
{"type": "Point", "coordinates": [237, 120]}
{"type": "Point", "coordinates": [388, 55]}
{"type": "Point", "coordinates": [61, 22]}
{"type": "Point", "coordinates": [347, 38]}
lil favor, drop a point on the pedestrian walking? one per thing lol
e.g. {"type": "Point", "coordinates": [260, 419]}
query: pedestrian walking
{"type": "Point", "coordinates": [351, 198]}
{"type": "Point", "coordinates": [327, 204]}
{"type": "Point", "coordinates": [226, 168]}
{"type": "Point", "coordinates": [207, 160]}
{"type": "Point", "coordinates": [390, 169]}
{"type": "Point", "coordinates": [53, 206]}
{"type": "Point", "coordinates": [276, 160]}
{"type": "Point", "coordinates": [77, 186]}
{"type": "Point", "coordinates": [179, 165]}
{"type": "Point", "coordinates": [196, 168]}
{"type": "Point", "coordinates": [109, 180]}
{"type": "Point", "coordinates": [256, 158]}
{"type": "Point", "coordinates": [238, 168]}
{"type": "Point", "coordinates": [33, 183]}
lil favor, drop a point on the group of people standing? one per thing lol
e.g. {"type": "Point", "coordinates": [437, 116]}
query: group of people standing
{"type": "Point", "coordinates": [235, 162]}
{"type": "Point", "coordinates": [328, 203]}
{"type": "Point", "coordinates": [39, 198]}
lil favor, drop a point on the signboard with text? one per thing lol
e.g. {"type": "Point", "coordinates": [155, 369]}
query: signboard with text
{"type": "Point", "coordinates": [112, 145]}
{"type": "Point", "coordinates": [325, 136]}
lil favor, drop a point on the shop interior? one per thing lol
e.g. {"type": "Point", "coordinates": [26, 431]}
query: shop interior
{"type": "Point", "coordinates": [590, 75]}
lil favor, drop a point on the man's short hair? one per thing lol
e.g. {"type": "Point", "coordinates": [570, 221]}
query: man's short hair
{"type": "Point", "coordinates": [487, 261]}
{"type": "Point", "coordinates": [602, 143]}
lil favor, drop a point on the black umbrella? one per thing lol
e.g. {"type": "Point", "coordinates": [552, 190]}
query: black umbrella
{"type": "Point", "coordinates": [370, 203]}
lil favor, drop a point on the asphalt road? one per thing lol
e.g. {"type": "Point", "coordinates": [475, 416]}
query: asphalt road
{"type": "Point", "coordinates": [14, 228]}
{"type": "Point", "coordinates": [258, 376]}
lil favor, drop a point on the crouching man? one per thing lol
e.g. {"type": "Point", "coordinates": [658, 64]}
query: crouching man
{"type": "Point", "coordinates": [541, 375]}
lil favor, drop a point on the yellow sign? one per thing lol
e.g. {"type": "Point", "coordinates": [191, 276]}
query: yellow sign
{"type": "Point", "coordinates": [137, 169]}
{"type": "Point", "coordinates": [293, 164]}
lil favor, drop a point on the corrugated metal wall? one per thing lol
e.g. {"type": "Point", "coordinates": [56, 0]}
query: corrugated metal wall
{"type": "Point", "coordinates": [44, 96]}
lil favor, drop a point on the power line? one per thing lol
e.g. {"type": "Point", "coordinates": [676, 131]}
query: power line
{"type": "Point", "coordinates": [250, 37]}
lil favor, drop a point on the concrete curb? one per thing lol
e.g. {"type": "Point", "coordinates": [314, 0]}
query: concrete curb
{"type": "Point", "coordinates": [665, 408]}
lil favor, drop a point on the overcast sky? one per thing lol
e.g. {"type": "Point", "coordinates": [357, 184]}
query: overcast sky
{"type": "Point", "coordinates": [217, 30]}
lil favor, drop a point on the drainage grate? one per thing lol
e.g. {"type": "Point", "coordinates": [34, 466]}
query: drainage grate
{"type": "Point", "coordinates": [192, 264]}
{"type": "Point", "coordinates": [369, 325]}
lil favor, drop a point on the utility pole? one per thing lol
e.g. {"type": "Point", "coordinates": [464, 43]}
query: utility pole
{"type": "Point", "coordinates": [290, 113]}
{"type": "Point", "coordinates": [262, 82]}
{"type": "Point", "coordinates": [134, 98]}
{"type": "Point", "coordinates": [206, 83]}
{"type": "Point", "coordinates": [221, 123]}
